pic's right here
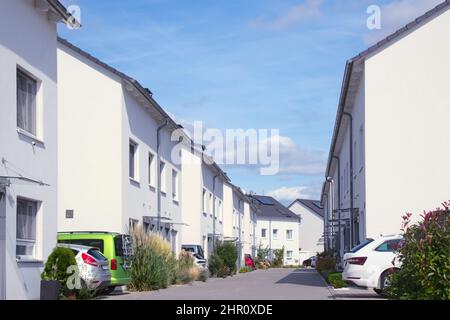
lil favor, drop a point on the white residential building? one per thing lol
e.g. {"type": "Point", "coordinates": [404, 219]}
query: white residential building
{"type": "Point", "coordinates": [116, 167]}
{"type": "Point", "coordinates": [202, 199]}
{"type": "Point", "coordinates": [28, 142]}
{"type": "Point", "coordinates": [311, 227]}
{"type": "Point", "coordinates": [277, 228]}
{"type": "Point", "coordinates": [388, 153]}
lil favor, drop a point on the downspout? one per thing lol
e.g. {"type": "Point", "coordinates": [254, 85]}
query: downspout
{"type": "Point", "coordinates": [352, 227]}
{"type": "Point", "coordinates": [240, 233]}
{"type": "Point", "coordinates": [214, 211]}
{"type": "Point", "coordinates": [158, 166]}
{"type": "Point", "coordinates": [339, 204]}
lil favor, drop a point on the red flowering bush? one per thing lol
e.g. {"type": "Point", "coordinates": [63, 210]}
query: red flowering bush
{"type": "Point", "coordinates": [425, 258]}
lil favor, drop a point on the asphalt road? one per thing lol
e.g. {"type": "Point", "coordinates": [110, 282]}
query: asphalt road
{"type": "Point", "coordinates": [273, 284]}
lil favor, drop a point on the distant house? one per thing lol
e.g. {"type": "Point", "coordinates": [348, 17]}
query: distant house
{"type": "Point", "coordinates": [28, 142]}
{"type": "Point", "coordinates": [389, 151]}
{"type": "Point", "coordinates": [277, 228]}
{"type": "Point", "coordinates": [311, 228]}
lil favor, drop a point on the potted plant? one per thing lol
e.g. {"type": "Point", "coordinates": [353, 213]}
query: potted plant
{"type": "Point", "coordinates": [55, 276]}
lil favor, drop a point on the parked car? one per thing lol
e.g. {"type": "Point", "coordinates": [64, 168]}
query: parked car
{"type": "Point", "coordinates": [370, 263]}
{"type": "Point", "coordinates": [117, 248]}
{"type": "Point", "coordinates": [93, 266]}
{"type": "Point", "coordinates": [308, 262]}
{"type": "Point", "coordinates": [195, 249]}
{"type": "Point", "coordinates": [249, 262]}
{"type": "Point", "coordinates": [200, 261]}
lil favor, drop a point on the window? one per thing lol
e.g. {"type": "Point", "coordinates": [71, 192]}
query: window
{"type": "Point", "coordinates": [275, 233]}
{"type": "Point", "coordinates": [151, 169]}
{"type": "Point", "coordinates": [96, 243]}
{"type": "Point", "coordinates": [210, 203]}
{"type": "Point", "coordinates": [162, 175]}
{"type": "Point", "coordinates": [175, 184]}
{"type": "Point", "coordinates": [26, 102]}
{"type": "Point", "coordinates": [289, 234]}
{"type": "Point", "coordinates": [220, 211]}
{"type": "Point", "coordinates": [133, 149]}
{"type": "Point", "coordinates": [263, 233]}
{"type": "Point", "coordinates": [361, 245]}
{"type": "Point", "coordinates": [26, 229]}
{"type": "Point", "coordinates": [205, 201]}
{"type": "Point", "coordinates": [389, 246]}
{"type": "Point", "coordinates": [289, 255]}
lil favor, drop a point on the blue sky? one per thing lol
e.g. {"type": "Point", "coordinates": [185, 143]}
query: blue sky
{"type": "Point", "coordinates": [244, 64]}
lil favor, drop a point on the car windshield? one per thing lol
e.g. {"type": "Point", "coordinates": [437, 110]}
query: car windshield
{"type": "Point", "coordinates": [361, 245]}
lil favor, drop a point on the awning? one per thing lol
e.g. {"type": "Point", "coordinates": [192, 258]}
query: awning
{"type": "Point", "coordinates": [165, 220]}
{"type": "Point", "coordinates": [7, 181]}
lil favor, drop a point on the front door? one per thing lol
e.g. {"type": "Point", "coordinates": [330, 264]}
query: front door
{"type": "Point", "coordinates": [2, 246]}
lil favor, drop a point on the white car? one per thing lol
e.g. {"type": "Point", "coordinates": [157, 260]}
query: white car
{"type": "Point", "coordinates": [93, 266]}
{"type": "Point", "coordinates": [313, 261]}
{"type": "Point", "coordinates": [370, 263]}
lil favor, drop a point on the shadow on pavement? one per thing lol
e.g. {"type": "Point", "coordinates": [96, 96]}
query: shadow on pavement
{"type": "Point", "coordinates": [302, 277]}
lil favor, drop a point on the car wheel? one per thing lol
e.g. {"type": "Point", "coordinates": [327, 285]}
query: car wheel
{"type": "Point", "coordinates": [109, 290]}
{"type": "Point", "coordinates": [384, 282]}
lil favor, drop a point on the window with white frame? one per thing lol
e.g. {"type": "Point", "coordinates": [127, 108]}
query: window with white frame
{"type": "Point", "coordinates": [151, 169]}
{"type": "Point", "coordinates": [26, 229]}
{"type": "Point", "coordinates": [210, 203]}
{"type": "Point", "coordinates": [175, 184]}
{"type": "Point", "coordinates": [133, 160]}
{"type": "Point", "coordinates": [26, 103]}
{"type": "Point", "coordinates": [289, 254]}
{"type": "Point", "coordinates": [205, 201]}
{"type": "Point", "coordinates": [220, 211]}
{"type": "Point", "coordinates": [263, 233]}
{"type": "Point", "coordinates": [289, 234]}
{"type": "Point", "coordinates": [162, 175]}
{"type": "Point", "coordinates": [275, 233]}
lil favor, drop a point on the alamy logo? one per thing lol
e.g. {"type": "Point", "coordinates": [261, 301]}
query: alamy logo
{"type": "Point", "coordinates": [374, 20]}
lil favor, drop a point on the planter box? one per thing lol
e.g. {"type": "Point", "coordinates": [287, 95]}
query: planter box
{"type": "Point", "coordinates": [50, 290]}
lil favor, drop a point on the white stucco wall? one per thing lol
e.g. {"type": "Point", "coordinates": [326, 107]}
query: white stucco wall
{"type": "Point", "coordinates": [281, 225]}
{"type": "Point", "coordinates": [27, 40]}
{"type": "Point", "coordinates": [407, 111]}
{"type": "Point", "coordinates": [310, 231]}
{"type": "Point", "coordinates": [94, 153]}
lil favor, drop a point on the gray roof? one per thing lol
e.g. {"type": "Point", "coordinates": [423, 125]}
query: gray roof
{"type": "Point", "coordinates": [441, 8]}
{"type": "Point", "coordinates": [313, 205]}
{"type": "Point", "coordinates": [65, 15]}
{"type": "Point", "coordinates": [269, 207]}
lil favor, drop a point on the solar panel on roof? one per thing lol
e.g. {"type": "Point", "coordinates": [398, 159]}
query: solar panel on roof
{"type": "Point", "coordinates": [266, 201]}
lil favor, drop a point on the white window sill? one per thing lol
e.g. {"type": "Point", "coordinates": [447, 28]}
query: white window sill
{"type": "Point", "coordinates": [163, 193]}
{"type": "Point", "coordinates": [29, 136]}
{"type": "Point", "coordinates": [134, 181]}
{"type": "Point", "coordinates": [28, 260]}
{"type": "Point", "coordinates": [175, 201]}
{"type": "Point", "coordinates": [152, 187]}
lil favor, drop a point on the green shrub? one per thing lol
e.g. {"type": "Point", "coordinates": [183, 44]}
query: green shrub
{"type": "Point", "coordinates": [262, 254]}
{"type": "Point", "coordinates": [425, 259]}
{"type": "Point", "coordinates": [57, 266]}
{"type": "Point", "coordinates": [335, 279]}
{"type": "Point", "coordinates": [245, 270]}
{"type": "Point", "coordinates": [153, 264]}
{"type": "Point", "coordinates": [229, 254]}
{"type": "Point", "coordinates": [203, 275]}
{"type": "Point", "coordinates": [325, 265]}
{"type": "Point", "coordinates": [278, 260]}
{"type": "Point", "coordinates": [215, 264]}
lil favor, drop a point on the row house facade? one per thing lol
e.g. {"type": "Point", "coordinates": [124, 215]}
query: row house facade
{"type": "Point", "coordinates": [387, 156]}
{"type": "Point", "coordinates": [28, 141]}
{"type": "Point", "coordinates": [116, 167]}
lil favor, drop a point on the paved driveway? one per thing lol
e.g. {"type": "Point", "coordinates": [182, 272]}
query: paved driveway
{"type": "Point", "coordinates": [273, 284]}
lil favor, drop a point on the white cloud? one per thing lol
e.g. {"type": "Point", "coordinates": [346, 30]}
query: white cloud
{"type": "Point", "coordinates": [310, 9]}
{"type": "Point", "coordinates": [397, 14]}
{"type": "Point", "coordinates": [289, 194]}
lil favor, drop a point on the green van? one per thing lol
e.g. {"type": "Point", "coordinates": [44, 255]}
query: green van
{"type": "Point", "coordinates": [114, 246]}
